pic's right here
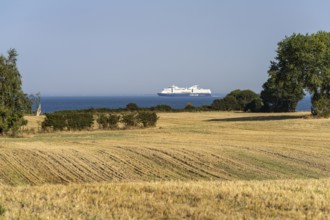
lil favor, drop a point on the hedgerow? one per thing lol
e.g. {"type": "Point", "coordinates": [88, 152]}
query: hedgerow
{"type": "Point", "coordinates": [78, 120]}
{"type": "Point", "coordinates": [67, 121]}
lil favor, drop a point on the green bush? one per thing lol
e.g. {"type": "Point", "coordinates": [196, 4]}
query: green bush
{"type": "Point", "coordinates": [68, 120]}
{"type": "Point", "coordinates": [147, 119]}
{"type": "Point", "coordinates": [80, 121]}
{"type": "Point", "coordinates": [102, 121]}
{"type": "Point", "coordinates": [55, 121]}
{"type": "Point", "coordinates": [129, 120]}
{"type": "Point", "coordinates": [108, 121]}
{"type": "Point", "coordinates": [113, 121]}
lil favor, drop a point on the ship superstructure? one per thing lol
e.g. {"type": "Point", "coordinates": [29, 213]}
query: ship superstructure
{"type": "Point", "coordinates": [180, 91]}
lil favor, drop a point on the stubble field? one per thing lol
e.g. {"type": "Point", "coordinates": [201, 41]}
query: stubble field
{"type": "Point", "coordinates": [192, 165]}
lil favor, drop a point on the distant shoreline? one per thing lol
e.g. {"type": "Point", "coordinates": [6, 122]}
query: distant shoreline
{"type": "Point", "coordinates": [58, 103]}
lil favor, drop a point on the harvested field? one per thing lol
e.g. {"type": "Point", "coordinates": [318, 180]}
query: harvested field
{"type": "Point", "coordinates": [192, 165]}
{"type": "Point", "coordinates": [276, 199]}
{"type": "Point", "coordinates": [183, 146]}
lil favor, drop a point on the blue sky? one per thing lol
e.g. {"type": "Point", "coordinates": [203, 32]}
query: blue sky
{"type": "Point", "coordinates": [134, 47]}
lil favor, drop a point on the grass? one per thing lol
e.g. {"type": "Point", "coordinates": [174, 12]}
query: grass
{"type": "Point", "coordinates": [192, 165]}
{"type": "Point", "coordinates": [280, 199]}
{"type": "Point", "coordinates": [183, 146]}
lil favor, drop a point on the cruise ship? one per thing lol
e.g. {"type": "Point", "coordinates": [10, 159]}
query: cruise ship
{"type": "Point", "coordinates": [175, 91]}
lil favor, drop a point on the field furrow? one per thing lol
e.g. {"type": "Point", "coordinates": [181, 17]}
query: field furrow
{"type": "Point", "coordinates": [184, 146]}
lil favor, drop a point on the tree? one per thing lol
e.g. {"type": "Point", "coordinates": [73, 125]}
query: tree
{"type": "Point", "coordinates": [230, 103]}
{"type": "Point", "coordinates": [12, 99]}
{"type": "Point", "coordinates": [235, 100]}
{"type": "Point", "coordinates": [243, 97]}
{"type": "Point", "coordinates": [302, 64]}
{"type": "Point", "coordinates": [280, 96]}
{"type": "Point", "coordinates": [284, 87]}
{"type": "Point", "coordinates": [317, 74]}
{"type": "Point", "coordinates": [254, 106]}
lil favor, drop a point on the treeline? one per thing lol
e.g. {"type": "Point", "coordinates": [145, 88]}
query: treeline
{"type": "Point", "coordinates": [302, 65]}
{"type": "Point", "coordinates": [129, 108]}
{"type": "Point", "coordinates": [85, 120]}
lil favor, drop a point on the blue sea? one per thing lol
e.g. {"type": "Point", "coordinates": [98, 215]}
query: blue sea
{"type": "Point", "coordinates": [57, 103]}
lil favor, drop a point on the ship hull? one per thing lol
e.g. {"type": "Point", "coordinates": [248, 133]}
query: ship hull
{"type": "Point", "coordinates": [184, 94]}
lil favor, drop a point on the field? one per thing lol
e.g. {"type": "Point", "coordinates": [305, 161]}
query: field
{"type": "Point", "coordinates": [192, 165]}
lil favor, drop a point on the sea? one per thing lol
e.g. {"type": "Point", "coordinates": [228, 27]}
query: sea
{"type": "Point", "coordinates": [58, 103]}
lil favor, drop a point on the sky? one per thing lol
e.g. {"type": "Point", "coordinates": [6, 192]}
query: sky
{"type": "Point", "coordinates": [138, 47]}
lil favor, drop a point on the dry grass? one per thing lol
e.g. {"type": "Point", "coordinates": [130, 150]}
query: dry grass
{"type": "Point", "coordinates": [112, 174]}
{"type": "Point", "coordinates": [184, 146]}
{"type": "Point", "coordinates": [277, 199]}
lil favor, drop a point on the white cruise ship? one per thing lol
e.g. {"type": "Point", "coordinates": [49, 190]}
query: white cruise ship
{"type": "Point", "coordinates": [176, 91]}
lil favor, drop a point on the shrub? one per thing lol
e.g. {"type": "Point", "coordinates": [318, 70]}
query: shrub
{"type": "Point", "coordinates": [102, 121]}
{"type": "Point", "coordinates": [129, 119]}
{"type": "Point", "coordinates": [68, 120]}
{"type": "Point", "coordinates": [108, 121]}
{"type": "Point", "coordinates": [113, 121]}
{"type": "Point", "coordinates": [54, 121]}
{"type": "Point", "coordinates": [79, 121]}
{"type": "Point", "coordinates": [147, 119]}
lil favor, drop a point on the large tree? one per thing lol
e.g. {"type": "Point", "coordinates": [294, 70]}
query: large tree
{"type": "Point", "coordinates": [13, 101]}
{"type": "Point", "coordinates": [302, 64]}
{"type": "Point", "coordinates": [317, 76]}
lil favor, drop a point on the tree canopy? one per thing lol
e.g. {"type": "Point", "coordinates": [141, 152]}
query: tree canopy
{"type": "Point", "coordinates": [13, 102]}
{"type": "Point", "coordinates": [236, 100]}
{"type": "Point", "coordinates": [302, 65]}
